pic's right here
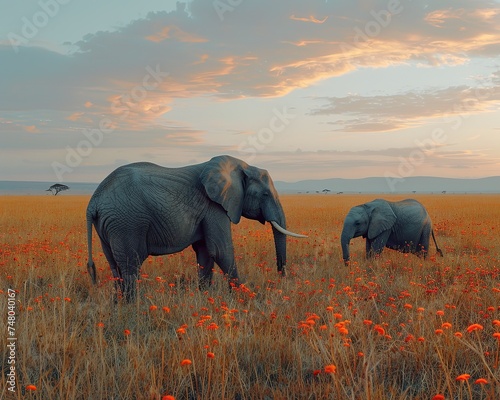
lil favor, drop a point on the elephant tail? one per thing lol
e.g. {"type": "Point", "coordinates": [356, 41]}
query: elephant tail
{"type": "Point", "coordinates": [91, 214]}
{"type": "Point", "coordinates": [437, 248]}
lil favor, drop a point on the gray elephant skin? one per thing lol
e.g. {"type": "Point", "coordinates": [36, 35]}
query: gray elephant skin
{"type": "Point", "coordinates": [144, 209]}
{"type": "Point", "coordinates": [403, 225]}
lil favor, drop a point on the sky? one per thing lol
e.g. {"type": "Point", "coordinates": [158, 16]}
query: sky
{"type": "Point", "coordinates": [307, 90]}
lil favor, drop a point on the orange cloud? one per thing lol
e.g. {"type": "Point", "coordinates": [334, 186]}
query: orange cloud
{"type": "Point", "coordinates": [75, 116]}
{"type": "Point", "coordinates": [438, 17]}
{"type": "Point", "coordinates": [31, 129]}
{"type": "Point", "coordinates": [309, 19]}
{"type": "Point", "coordinates": [174, 32]}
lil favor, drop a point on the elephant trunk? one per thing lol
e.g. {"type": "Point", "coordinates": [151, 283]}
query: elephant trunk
{"type": "Point", "coordinates": [274, 214]}
{"type": "Point", "coordinates": [345, 240]}
{"type": "Point", "coordinates": [280, 245]}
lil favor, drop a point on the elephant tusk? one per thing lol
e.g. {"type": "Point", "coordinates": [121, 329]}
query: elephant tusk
{"type": "Point", "coordinates": [284, 231]}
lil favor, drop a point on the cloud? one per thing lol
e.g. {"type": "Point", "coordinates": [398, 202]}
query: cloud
{"type": "Point", "coordinates": [311, 18]}
{"type": "Point", "coordinates": [260, 49]}
{"type": "Point", "coordinates": [133, 76]}
{"type": "Point", "coordinates": [169, 32]}
{"type": "Point", "coordinates": [398, 111]}
{"type": "Point", "coordinates": [31, 129]}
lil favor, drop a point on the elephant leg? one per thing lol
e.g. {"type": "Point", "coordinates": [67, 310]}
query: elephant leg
{"type": "Point", "coordinates": [377, 244]}
{"type": "Point", "coordinates": [224, 257]}
{"type": "Point", "coordinates": [106, 249]}
{"type": "Point", "coordinates": [219, 243]}
{"type": "Point", "coordinates": [228, 267]}
{"type": "Point", "coordinates": [129, 264]}
{"type": "Point", "coordinates": [205, 264]}
{"type": "Point", "coordinates": [368, 248]}
{"type": "Point", "coordinates": [423, 243]}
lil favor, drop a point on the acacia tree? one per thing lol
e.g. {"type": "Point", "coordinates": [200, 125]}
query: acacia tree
{"type": "Point", "coordinates": [57, 188]}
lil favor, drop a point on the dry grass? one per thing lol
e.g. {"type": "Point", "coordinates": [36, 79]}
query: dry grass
{"type": "Point", "coordinates": [391, 328]}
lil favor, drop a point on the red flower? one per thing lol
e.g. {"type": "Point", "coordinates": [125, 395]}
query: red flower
{"type": "Point", "coordinates": [463, 377]}
{"type": "Point", "coordinates": [474, 327]}
{"type": "Point", "coordinates": [330, 369]}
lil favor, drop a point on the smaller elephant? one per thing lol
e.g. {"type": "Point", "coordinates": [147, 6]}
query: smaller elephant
{"type": "Point", "coordinates": [403, 225]}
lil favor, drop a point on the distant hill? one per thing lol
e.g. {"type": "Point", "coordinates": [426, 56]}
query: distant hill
{"type": "Point", "coordinates": [419, 184]}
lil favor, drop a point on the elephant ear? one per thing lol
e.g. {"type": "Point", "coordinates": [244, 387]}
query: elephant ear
{"type": "Point", "coordinates": [223, 178]}
{"type": "Point", "coordinates": [382, 218]}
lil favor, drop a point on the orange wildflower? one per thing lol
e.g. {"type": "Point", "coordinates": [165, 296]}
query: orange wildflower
{"type": "Point", "coordinates": [126, 332]}
{"type": "Point", "coordinates": [168, 397]}
{"type": "Point", "coordinates": [330, 369]}
{"type": "Point", "coordinates": [31, 388]}
{"type": "Point", "coordinates": [497, 335]}
{"type": "Point", "coordinates": [166, 309]}
{"type": "Point", "coordinates": [212, 326]}
{"type": "Point", "coordinates": [367, 322]}
{"type": "Point", "coordinates": [481, 381]}
{"type": "Point", "coordinates": [440, 313]}
{"type": "Point", "coordinates": [408, 306]}
{"type": "Point", "coordinates": [463, 377]}
{"type": "Point", "coordinates": [438, 397]}
{"type": "Point", "coordinates": [100, 325]}
{"type": "Point", "coordinates": [152, 308]}
{"type": "Point", "coordinates": [438, 331]}
{"type": "Point", "coordinates": [380, 330]}
{"type": "Point", "coordinates": [343, 331]}
{"type": "Point", "coordinates": [458, 334]}
{"type": "Point", "coordinates": [409, 338]}
{"type": "Point", "coordinates": [186, 361]}
{"type": "Point", "coordinates": [210, 355]}
{"type": "Point", "coordinates": [496, 322]}
{"type": "Point", "coordinates": [446, 325]}
{"type": "Point", "coordinates": [474, 327]}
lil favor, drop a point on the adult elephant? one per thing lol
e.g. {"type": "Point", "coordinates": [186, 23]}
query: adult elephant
{"type": "Point", "coordinates": [144, 209]}
{"type": "Point", "coordinates": [403, 225]}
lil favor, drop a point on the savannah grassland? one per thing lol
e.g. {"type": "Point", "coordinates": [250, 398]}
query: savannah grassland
{"type": "Point", "coordinates": [397, 327]}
